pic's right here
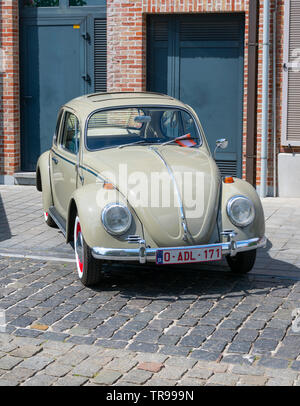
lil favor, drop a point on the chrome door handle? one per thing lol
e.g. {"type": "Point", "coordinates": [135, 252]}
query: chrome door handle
{"type": "Point", "coordinates": [55, 160]}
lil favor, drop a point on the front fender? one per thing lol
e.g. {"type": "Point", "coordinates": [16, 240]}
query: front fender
{"type": "Point", "coordinates": [241, 187]}
{"type": "Point", "coordinates": [88, 202]}
{"type": "Point", "coordinates": [43, 180]}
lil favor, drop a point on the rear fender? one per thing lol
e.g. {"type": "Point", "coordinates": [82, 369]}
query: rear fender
{"type": "Point", "coordinates": [43, 182]}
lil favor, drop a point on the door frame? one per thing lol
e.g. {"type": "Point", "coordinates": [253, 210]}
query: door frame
{"type": "Point", "coordinates": [62, 15]}
{"type": "Point", "coordinates": [173, 71]}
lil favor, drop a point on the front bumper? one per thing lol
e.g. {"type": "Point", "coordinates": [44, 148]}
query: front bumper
{"type": "Point", "coordinates": [144, 254]}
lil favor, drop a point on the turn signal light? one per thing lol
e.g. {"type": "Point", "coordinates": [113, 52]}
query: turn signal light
{"type": "Point", "coordinates": [228, 179]}
{"type": "Point", "coordinates": [108, 186]}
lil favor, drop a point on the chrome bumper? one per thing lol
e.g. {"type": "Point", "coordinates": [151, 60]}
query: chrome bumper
{"type": "Point", "coordinates": [144, 254]}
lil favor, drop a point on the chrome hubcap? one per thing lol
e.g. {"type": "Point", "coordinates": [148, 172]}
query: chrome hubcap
{"type": "Point", "coordinates": [79, 247]}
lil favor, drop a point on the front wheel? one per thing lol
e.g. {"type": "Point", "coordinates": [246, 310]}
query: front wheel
{"type": "Point", "coordinates": [242, 262]}
{"type": "Point", "coordinates": [88, 268]}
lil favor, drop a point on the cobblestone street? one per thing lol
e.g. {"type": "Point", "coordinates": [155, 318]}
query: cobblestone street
{"type": "Point", "coordinates": [192, 325]}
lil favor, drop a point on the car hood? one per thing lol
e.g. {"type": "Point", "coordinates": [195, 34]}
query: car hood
{"type": "Point", "coordinates": [171, 188]}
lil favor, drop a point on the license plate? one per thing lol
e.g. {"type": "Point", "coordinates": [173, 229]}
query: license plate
{"type": "Point", "coordinates": [186, 256]}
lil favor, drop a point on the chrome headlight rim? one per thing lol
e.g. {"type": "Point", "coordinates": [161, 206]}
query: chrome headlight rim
{"type": "Point", "coordinates": [229, 205]}
{"type": "Point", "coordinates": [104, 222]}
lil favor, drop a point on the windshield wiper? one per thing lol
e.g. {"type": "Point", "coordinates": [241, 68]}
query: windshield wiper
{"type": "Point", "coordinates": [132, 143]}
{"type": "Point", "coordinates": [181, 137]}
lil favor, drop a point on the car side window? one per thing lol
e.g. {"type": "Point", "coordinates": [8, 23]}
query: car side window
{"type": "Point", "coordinates": [71, 133]}
{"type": "Point", "coordinates": [59, 118]}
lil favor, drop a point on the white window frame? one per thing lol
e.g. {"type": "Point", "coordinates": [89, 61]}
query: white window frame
{"type": "Point", "coordinates": [287, 64]}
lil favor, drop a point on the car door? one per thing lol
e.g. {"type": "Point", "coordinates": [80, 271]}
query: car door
{"type": "Point", "coordinates": [64, 156]}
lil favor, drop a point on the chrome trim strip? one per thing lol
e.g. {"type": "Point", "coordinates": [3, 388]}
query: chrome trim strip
{"type": "Point", "coordinates": [187, 234]}
{"type": "Point", "coordinates": [143, 254]}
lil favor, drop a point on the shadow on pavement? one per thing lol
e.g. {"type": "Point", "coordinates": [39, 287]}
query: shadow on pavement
{"type": "Point", "coordinates": [5, 233]}
{"type": "Point", "coordinates": [135, 280]}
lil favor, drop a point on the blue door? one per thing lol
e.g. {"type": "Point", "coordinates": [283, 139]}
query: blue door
{"type": "Point", "coordinates": [60, 59]}
{"type": "Point", "coordinates": [52, 77]}
{"type": "Point", "coordinates": [199, 59]}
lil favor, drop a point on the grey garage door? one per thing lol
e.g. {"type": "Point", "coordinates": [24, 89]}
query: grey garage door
{"type": "Point", "coordinates": [199, 59]}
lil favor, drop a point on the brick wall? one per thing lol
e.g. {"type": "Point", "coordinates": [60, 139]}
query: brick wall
{"type": "Point", "coordinates": [9, 88]}
{"type": "Point", "coordinates": [126, 25]}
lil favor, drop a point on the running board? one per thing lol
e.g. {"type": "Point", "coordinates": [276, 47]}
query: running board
{"type": "Point", "coordinates": [59, 220]}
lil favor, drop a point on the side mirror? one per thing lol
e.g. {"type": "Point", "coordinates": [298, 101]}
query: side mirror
{"type": "Point", "coordinates": [221, 143]}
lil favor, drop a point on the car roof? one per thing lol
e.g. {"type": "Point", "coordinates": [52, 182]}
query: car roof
{"type": "Point", "coordinates": [86, 104]}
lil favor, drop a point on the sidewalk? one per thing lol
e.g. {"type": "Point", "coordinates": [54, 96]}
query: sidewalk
{"type": "Point", "coordinates": [197, 325]}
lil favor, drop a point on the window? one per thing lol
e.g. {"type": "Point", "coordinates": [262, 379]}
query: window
{"type": "Point", "coordinates": [142, 125]}
{"type": "Point", "coordinates": [59, 117]}
{"type": "Point", "coordinates": [290, 133]}
{"type": "Point", "coordinates": [40, 3]}
{"type": "Point", "coordinates": [85, 3]}
{"type": "Point", "coordinates": [71, 133]}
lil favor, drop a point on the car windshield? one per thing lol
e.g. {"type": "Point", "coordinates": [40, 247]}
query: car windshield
{"type": "Point", "coordinates": [141, 125]}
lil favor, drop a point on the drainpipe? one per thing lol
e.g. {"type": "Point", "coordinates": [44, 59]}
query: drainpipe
{"type": "Point", "coordinates": [274, 103]}
{"type": "Point", "coordinates": [265, 96]}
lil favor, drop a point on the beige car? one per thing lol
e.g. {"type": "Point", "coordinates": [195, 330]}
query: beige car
{"type": "Point", "coordinates": [130, 177]}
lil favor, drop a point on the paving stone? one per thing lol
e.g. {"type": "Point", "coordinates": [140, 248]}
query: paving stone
{"type": "Point", "coordinates": [242, 347]}
{"type": "Point", "coordinates": [37, 362]}
{"type": "Point", "coordinates": [199, 373]}
{"type": "Point", "coordinates": [150, 366]}
{"type": "Point", "coordinates": [88, 367]}
{"type": "Point", "coordinates": [205, 355]}
{"type": "Point", "coordinates": [57, 369]}
{"type": "Point", "coordinates": [187, 381]}
{"type": "Point", "coordinates": [106, 377]}
{"type": "Point", "coordinates": [181, 362]}
{"type": "Point", "coordinates": [214, 366]}
{"type": "Point", "coordinates": [40, 380]}
{"type": "Point", "coordinates": [122, 364]}
{"type": "Point", "coordinates": [154, 381]}
{"type": "Point", "coordinates": [148, 336]}
{"type": "Point", "coordinates": [214, 345]}
{"type": "Point", "coordinates": [273, 362]}
{"type": "Point", "coordinates": [26, 351]}
{"type": "Point", "coordinates": [50, 335]}
{"type": "Point", "coordinates": [70, 380]}
{"type": "Point", "coordinates": [172, 372]}
{"type": "Point", "coordinates": [192, 341]}
{"type": "Point", "coordinates": [117, 344]}
{"type": "Point", "coordinates": [280, 382]}
{"type": "Point", "coordinates": [262, 346]}
{"type": "Point", "coordinates": [81, 340]}
{"type": "Point", "coordinates": [137, 376]}
{"type": "Point", "coordinates": [23, 332]}
{"type": "Point", "coordinates": [148, 357]}
{"type": "Point", "coordinates": [143, 347]}
{"type": "Point", "coordinates": [73, 357]}
{"type": "Point", "coordinates": [247, 370]}
{"type": "Point", "coordinates": [8, 362]}
{"type": "Point", "coordinates": [252, 381]}
{"type": "Point", "coordinates": [222, 379]}
{"type": "Point", "coordinates": [296, 365]}
{"type": "Point", "coordinates": [174, 350]}
{"type": "Point", "coordinates": [246, 334]}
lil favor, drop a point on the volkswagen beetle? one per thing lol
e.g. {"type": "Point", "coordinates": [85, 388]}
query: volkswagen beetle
{"type": "Point", "coordinates": [130, 177]}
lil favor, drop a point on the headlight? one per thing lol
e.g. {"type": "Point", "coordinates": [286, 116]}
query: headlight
{"type": "Point", "coordinates": [116, 218]}
{"type": "Point", "coordinates": [240, 210]}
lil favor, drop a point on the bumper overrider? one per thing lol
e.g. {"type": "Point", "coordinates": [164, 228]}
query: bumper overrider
{"type": "Point", "coordinates": [144, 254]}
